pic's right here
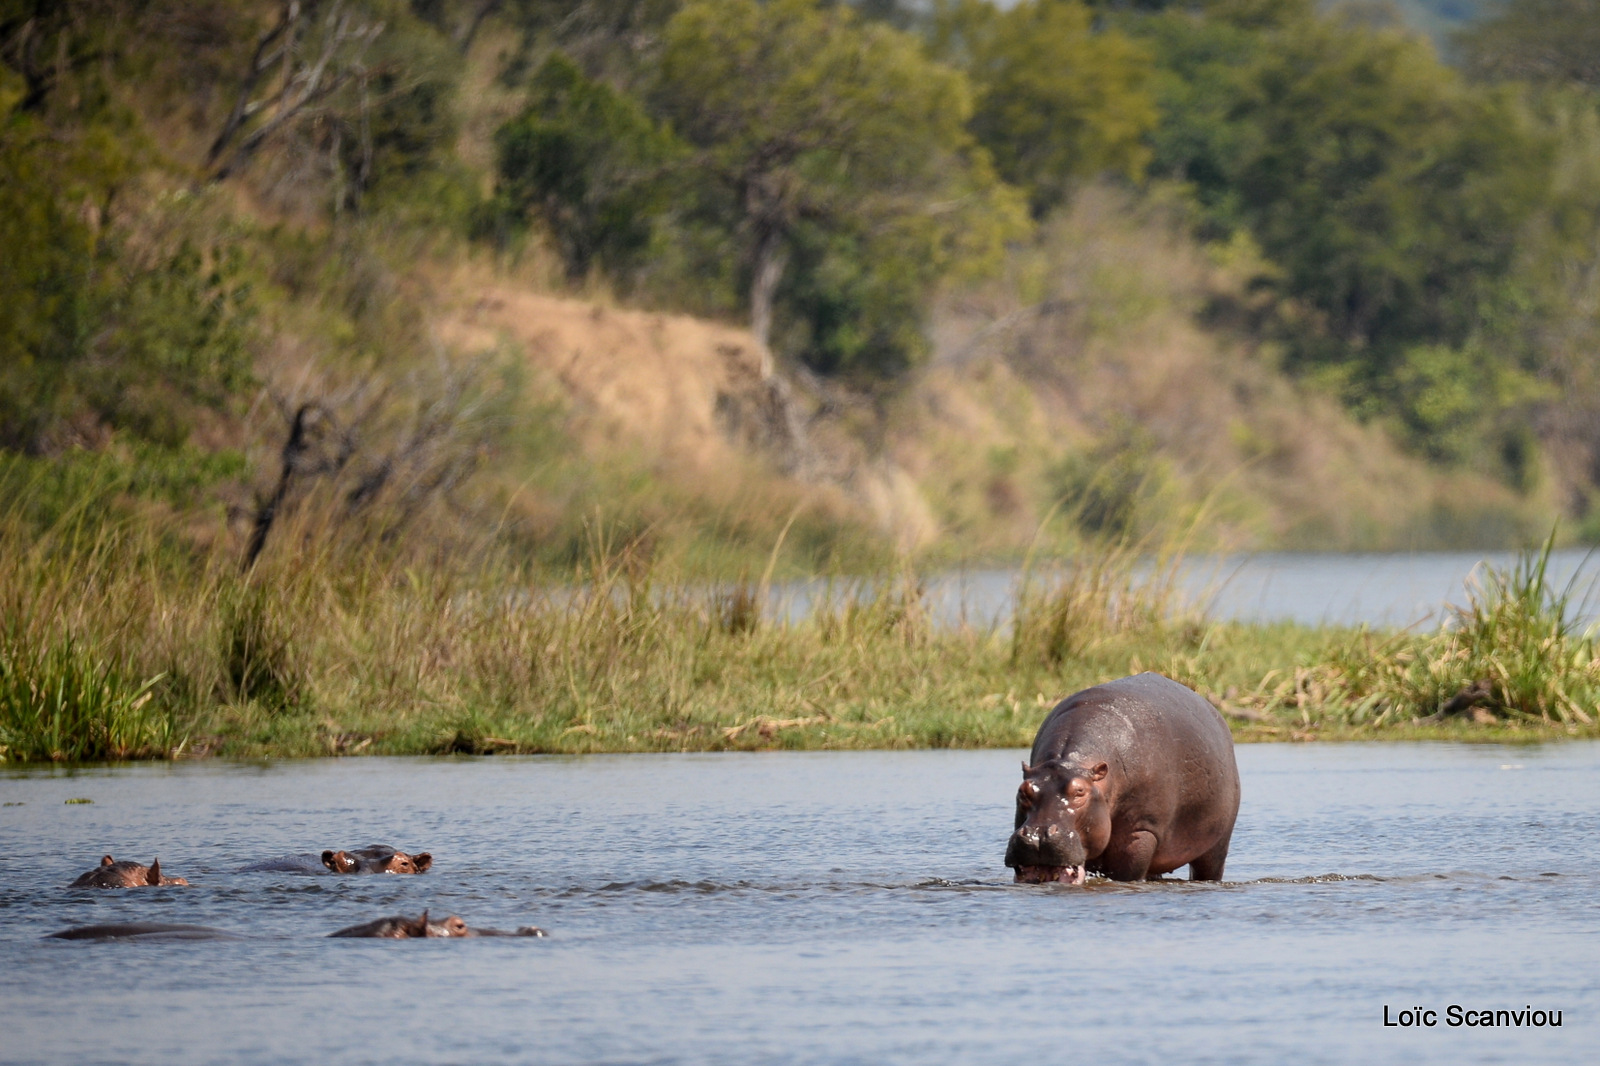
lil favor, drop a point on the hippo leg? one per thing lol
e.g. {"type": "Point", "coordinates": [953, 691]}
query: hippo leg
{"type": "Point", "coordinates": [1133, 862]}
{"type": "Point", "coordinates": [1208, 867]}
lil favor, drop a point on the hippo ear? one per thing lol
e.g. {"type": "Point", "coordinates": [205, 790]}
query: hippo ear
{"type": "Point", "coordinates": [419, 927]}
{"type": "Point", "coordinates": [1024, 767]}
{"type": "Point", "coordinates": [339, 862]}
{"type": "Point", "coordinates": [422, 862]}
{"type": "Point", "coordinates": [154, 876]}
{"type": "Point", "coordinates": [1098, 771]}
{"type": "Point", "coordinates": [105, 860]}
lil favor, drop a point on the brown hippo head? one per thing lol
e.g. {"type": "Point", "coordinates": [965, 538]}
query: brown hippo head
{"type": "Point", "coordinates": [1062, 822]}
{"type": "Point", "coordinates": [113, 874]}
{"type": "Point", "coordinates": [451, 926]}
{"type": "Point", "coordinates": [377, 859]}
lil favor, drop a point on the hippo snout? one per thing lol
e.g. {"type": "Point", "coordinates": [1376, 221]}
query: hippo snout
{"type": "Point", "coordinates": [1047, 846]}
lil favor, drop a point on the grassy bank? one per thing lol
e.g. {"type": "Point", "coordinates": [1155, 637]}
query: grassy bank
{"type": "Point", "coordinates": [115, 645]}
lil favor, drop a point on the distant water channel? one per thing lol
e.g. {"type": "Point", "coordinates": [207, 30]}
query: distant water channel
{"type": "Point", "coordinates": [802, 908]}
{"type": "Point", "coordinates": [1379, 589]}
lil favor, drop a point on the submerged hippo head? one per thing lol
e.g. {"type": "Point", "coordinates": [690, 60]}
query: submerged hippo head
{"type": "Point", "coordinates": [113, 874]}
{"type": "Point", "coordinates": [399, 927]}
{"type": "Point", "coordinates": [1062, 822]}
{"type": "Point", "coordinates": [377, 859]}
{"type": "Point", "coordinates": [451, 926]}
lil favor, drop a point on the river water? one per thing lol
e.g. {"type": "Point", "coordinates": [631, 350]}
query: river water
{"type": "Point", "coordinates": [1381, 589]}
{"type": "Point", "coordinates": [802, 908]}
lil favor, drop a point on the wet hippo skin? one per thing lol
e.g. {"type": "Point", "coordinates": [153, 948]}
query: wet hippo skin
{"type": "Point", "coordinates": [373, 859]}
{"type": "Point", "coordinates": [142, 931]}
{"type": "Point", "coordinates": [376, 859]}
{"type": "Point", "coordinates": [113, 874]}
{"type": "Point", "coordinates": [1131, 779]}
{"type": "Point", "coordinates": [399, 927]}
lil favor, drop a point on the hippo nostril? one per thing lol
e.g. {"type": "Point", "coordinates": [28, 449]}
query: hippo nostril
{"type": "Point", "coordinates": [1053, 832]}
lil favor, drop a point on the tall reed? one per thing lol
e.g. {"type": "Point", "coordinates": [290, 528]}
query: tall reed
{"type": "Point", "coordinates": [1515, 651]}
{"type": "Point", "coordinates": [119, 641]}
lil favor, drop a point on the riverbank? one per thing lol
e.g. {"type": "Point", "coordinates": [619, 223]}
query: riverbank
{"type": "Point", "coordinates": [115, 646]}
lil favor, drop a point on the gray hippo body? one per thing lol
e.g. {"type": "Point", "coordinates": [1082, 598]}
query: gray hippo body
{"type": "Point", "coordinates": [142, 931]}
{"type": "Point", "coordinates": [1131, 779]}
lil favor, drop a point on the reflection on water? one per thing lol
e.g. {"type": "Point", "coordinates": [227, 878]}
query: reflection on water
{"type": "Point", "coordinates": [817, 907]}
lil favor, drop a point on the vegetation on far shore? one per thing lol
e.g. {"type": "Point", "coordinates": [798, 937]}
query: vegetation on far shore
{"type": "Point", "coordinates": [401, 376]}
{"type": "Point", "coordinates": [116, 646]}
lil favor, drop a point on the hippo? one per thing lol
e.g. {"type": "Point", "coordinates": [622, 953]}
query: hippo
{"type": "Point", "coordinates": [373, 859]}
{"type": "Point", "coordinates": [376, 859]}
{"type": "Point", "coordinates": [399, 927]}
{"type": "Point", "coordinates": [113, 874]}
{"type": "Point", "coordinates": [1131, 779]}
{"type": "Point", "coordinates": [142, 931]}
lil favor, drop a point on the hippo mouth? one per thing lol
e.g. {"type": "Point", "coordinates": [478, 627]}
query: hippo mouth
{"type": "Point", "coordinates": [1044, 875]}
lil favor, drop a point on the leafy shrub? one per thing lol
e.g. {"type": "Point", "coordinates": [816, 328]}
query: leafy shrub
{"type": "Point", "coordinates": [587, 162]}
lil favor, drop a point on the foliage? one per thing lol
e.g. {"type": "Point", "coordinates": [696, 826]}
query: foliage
{"type": "Point", "coordinates": [102, 329]}
{"type": "Point", "coordinates": [60, 704]}
{"type": "Point", "coordinates": [1113, 488]}
{"type": "Point", "coordinates": [1057, 100]}
{"type": "Point", "coordinates": [1515, 651]}
{"type": "Point", "coordinates": [1392, 196]}
{"type": "Point", "coordinates": [612, 40]}
{"type": "Point", "coordinates": [800, 113]}
{"type": "Point", "coordinates": [1548, 41]}
{"type": "Point", "coordinates": [113, 648]}
{"type": "Point", "coordinates": [590, 163]}
{"type": "Point", "coordinates": [1098, 596]}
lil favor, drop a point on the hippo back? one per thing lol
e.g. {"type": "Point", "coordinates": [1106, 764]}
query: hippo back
{"type": "Point", "coordinates": [1159, 739]}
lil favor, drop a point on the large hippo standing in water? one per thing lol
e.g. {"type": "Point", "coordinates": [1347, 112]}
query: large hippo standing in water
{"type": "Point", "coordinates": [113, 874]}
{"type": "Point", "coordinates": [1131, 779]}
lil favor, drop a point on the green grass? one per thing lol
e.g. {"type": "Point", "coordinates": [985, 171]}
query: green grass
{"type": "Point", "coordinates": [58, 703]}
{"type": "Point", "coordinates": [115, 645]}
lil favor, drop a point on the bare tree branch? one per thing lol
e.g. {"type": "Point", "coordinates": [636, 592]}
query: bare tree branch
{"type": "Point", "coordinates": [307, 76]}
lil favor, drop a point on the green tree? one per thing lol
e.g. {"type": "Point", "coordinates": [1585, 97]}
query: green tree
{"type": "Point", "coordinates": [1391, 193]}
{"type": "Point", "coordinates": [590, 163]}
{"type": "Point", "coordinates": [1057, 100]}
{"type": "Point", "coordinates": [801, 113]}
{"type": "Point", "coordinates": [96, 335]}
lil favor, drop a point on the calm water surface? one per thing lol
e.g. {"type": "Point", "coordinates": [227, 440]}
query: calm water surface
{"type": "Point", "coordinates": [801, 908]}
{"type": "Point", "coordinates": [1385, 589]}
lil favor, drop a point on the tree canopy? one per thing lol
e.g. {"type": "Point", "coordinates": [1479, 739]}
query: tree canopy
{"type": "Point", "coordinates": [802, 114]}
{"type": "Point", "coordinates": [1057, 101]}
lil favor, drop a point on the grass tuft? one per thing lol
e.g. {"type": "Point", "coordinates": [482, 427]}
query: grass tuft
{"type": "Point", "coordinates": [1514, 652]}
{"type": "Point", "coordinates": [61, 703]}
{"type": "Point", "coordinates": [116, 645]}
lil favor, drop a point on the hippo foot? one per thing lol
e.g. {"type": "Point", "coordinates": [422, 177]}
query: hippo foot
{"type": "Point", "coordinates": [1044, 875]}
